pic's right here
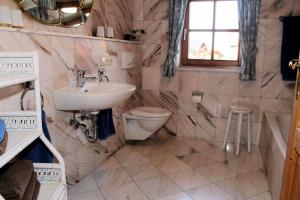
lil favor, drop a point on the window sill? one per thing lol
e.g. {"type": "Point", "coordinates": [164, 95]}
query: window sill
{"type": "Point", "coordinates": [228, 69]}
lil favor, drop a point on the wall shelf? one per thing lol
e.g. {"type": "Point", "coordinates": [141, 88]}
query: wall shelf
{"type": "Point", "coordinates": [21, 30]}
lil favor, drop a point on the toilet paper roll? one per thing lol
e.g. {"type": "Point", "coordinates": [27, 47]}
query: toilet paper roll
{"type": "Point", "coordinates": [4, 16]}
{"type": "Point", "coordinates": [16, 18]}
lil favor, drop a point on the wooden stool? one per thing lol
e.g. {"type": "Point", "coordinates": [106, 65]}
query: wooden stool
{"type": "Point", "coordinates": [240, 111]}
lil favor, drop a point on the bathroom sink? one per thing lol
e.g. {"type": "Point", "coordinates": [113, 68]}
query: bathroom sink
{"type": "Point", "coordinates": [92, 96]}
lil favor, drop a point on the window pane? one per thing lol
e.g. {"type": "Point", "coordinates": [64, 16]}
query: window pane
{"type": "Point", "coordinates": [201, 15]}
{"type": "Point", "coordinates": [226, 46]}
{"type": "Point", "coordinates": [200, 45]}
{"type": "Point", "coordinates": [226, 15]}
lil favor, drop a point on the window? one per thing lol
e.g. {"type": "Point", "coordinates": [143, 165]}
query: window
{"type": "Point", "coordinates": [211, 34]}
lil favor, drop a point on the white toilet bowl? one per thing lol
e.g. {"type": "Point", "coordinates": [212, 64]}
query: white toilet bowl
{"type": "Point", "coordinates": [141, 122]}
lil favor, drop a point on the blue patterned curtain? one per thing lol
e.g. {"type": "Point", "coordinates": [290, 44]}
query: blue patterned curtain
{"type": "Point", "coordinates": [177, 10]}
{"type": "Point", "coordinates": [248, 22]}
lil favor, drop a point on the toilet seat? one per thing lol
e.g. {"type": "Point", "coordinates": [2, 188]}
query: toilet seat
{"type": "Point", "coordinates": [150, 112]}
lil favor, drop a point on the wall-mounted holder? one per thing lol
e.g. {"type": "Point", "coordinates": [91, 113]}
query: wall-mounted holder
{"type": "Point", "coordinates": [197, 96]}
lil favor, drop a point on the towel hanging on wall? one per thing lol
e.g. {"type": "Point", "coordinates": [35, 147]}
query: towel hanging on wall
{"type": "Point", "coordinates": [105, 124]}
{"type": "Point", "coordinates": [290, 46]}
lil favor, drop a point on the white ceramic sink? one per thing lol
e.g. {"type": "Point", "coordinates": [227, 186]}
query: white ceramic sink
{"type": "Point", "coordinates": [92, 96]}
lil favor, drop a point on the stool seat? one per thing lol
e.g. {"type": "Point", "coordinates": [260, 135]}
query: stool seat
{"type": "Point", "coordinates": [240, 111]}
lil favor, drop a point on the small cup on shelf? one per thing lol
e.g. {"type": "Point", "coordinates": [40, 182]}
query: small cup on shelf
{"type": "Point", "coordinates": [5, 16]}
{"type": "Point", "coordinates": [16, 18]}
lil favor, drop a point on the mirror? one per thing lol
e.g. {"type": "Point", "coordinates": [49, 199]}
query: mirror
{"type": "Point", "coordinates": [68, 13]}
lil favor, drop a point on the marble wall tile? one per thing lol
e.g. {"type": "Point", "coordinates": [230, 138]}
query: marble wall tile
{"type": "Point", "coordinates": [63, 58]}
{"type": "Point", "coordinates": [118, 8]}
{"type": "Point", "coordinates": [185, 105]}
{"type": "Point", "coordinates": [134, 76]}
{"type": "Point", "coordinates": [155, 9]}
{"type": "Point", "coordinates": [206, 127]}
{"type": "Point", "coordinates": [274, 33]}
{"type": "Point", "coordinates": [262, 32]}
{"type": "Point", "coordinates": [153, 29]}
{"type": "Point", "coordinates": [12, 41]}
{"type": "Point", "coordinates": [209, 105]}
{"type": "Point", "coordinates": [186, 126]}
{"type": "Point", "coordinates": [42, 44]}
{"type": "Point", "coordinates": [272, 86]}
{"type": "Point", "coordinates": [280, 8]}
{"type": "Point", "coordinates": [296, 8]}
{"type": "Point", "coordinates": [208, 82]}
{"type": "Point", "coordinates": [169, 83]}
{"type": "Point", "coordinates": [229, 84]}
{"type": "Point", "coordinates": [137, 9]}
{"type": "Point", "coordinates": [272, 59]}
{"type": "Point", "coordinates": [251, 88]}
{"type": "Point", "coordinates": [188, 81]}
{"type": "Point", "coordinates": [169, 101]}
{"type": "Point", "coordinates": [152, 55]}
{"type": "Point", "coordinates": [83, 55]}
{"type": "Point", "coordinates": [151, 78]}
{"type": "Point", "coordinates": [260, 59]}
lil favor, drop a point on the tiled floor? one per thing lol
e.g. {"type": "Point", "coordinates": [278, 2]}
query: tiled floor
{"type": "Point", "coordinates": [175, 169]}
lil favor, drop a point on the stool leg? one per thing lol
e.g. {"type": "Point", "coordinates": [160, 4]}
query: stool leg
{"type": "Point", "coordinates": [240, 120]}
{"type": "Point", "coordinates": [249, 132]}
{"type": "Point", "coordinates": [227, 130]}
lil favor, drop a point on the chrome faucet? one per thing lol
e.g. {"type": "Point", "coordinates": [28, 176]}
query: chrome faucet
{"type": "Point", "coordinates": [82, 79]}
{"type": "Point", "coordinates": [102, 75]}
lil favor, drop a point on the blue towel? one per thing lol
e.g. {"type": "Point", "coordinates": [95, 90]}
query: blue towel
{"type": "Point", "coordinates": [2, 130]}
{"type": "Point", "coordinates": [105, 124]}
{"type": "Point", "coordinates": [38, 152]}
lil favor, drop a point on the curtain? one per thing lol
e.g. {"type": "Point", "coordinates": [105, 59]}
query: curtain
{"type": "Point", "coordinates": [248, 23]}
{"type": "Point", "coordinates": [177, 10]}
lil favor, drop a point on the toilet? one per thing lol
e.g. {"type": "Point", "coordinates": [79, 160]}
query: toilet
{"type": "Point", "coordinates": [141, 122]}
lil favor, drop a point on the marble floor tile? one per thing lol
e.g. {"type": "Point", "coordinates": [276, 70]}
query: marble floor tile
{"type": "Point", "coordinates": [142, 171]}
{"type": "Point", "coordinates": [172, 168]}
{"type": "Point", "coordinates": [130, 158]}
{"type": "Point", "coordinates": [239, 187]}
{"type": "Point", "coordinates": [179, 196]}
{"type": "Point", "coordinates": [215, 172]}
{"type": "Point", "coordinates": [258, 178]}
{"type": "Point", "coordinates": [239, 166]}
{"type": "Point", "coordinates": [209, 192]}
{"type": "Point", "coordinates": [112, 177]}
{"type": "Point", "coordinates": [110, 163]}
{"type": "Point", "coordinates": [85, 185]}
{"type": "Point", "coordinates": [199, 145]}
{"type": "Point", "coordinates": [158, 187]}
{"type": "Point", "coordinates": [197, 160]}
{"type": "Point", "coordinates": [188, 180]}
{"type": "Point", "coordinates": [179, 149]}
{"type": "Point", "coordinates": [263, 196]}
{"type": "Point", "coordinates": [145, 147]}
{"type": "Point", "coordinates": [158, 154]}
{"type": "Point", "coordinates": [170, 165]}
{"type": "Point", "coordinates": [90, 195]}
{"type": "Point", "coordinates": [217, 153]}
{"type": "Point", "coordinates": [124, 192]}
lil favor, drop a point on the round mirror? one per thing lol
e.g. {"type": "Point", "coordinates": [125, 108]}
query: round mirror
{"type": "Point", "coordinates": [69, 13]}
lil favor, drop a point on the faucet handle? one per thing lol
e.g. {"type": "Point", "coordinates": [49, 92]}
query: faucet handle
{"type": "Point", "coordinates": [101, 72]}
{"type": "Point", "coordinates": [81, 73]}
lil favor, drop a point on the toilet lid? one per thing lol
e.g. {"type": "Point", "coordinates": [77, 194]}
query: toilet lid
{"type": "Point", "coordinates": [150, 112]}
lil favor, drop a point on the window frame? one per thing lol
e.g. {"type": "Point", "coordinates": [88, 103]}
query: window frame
{"type": "Point", "coordinates": [185, 61]}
